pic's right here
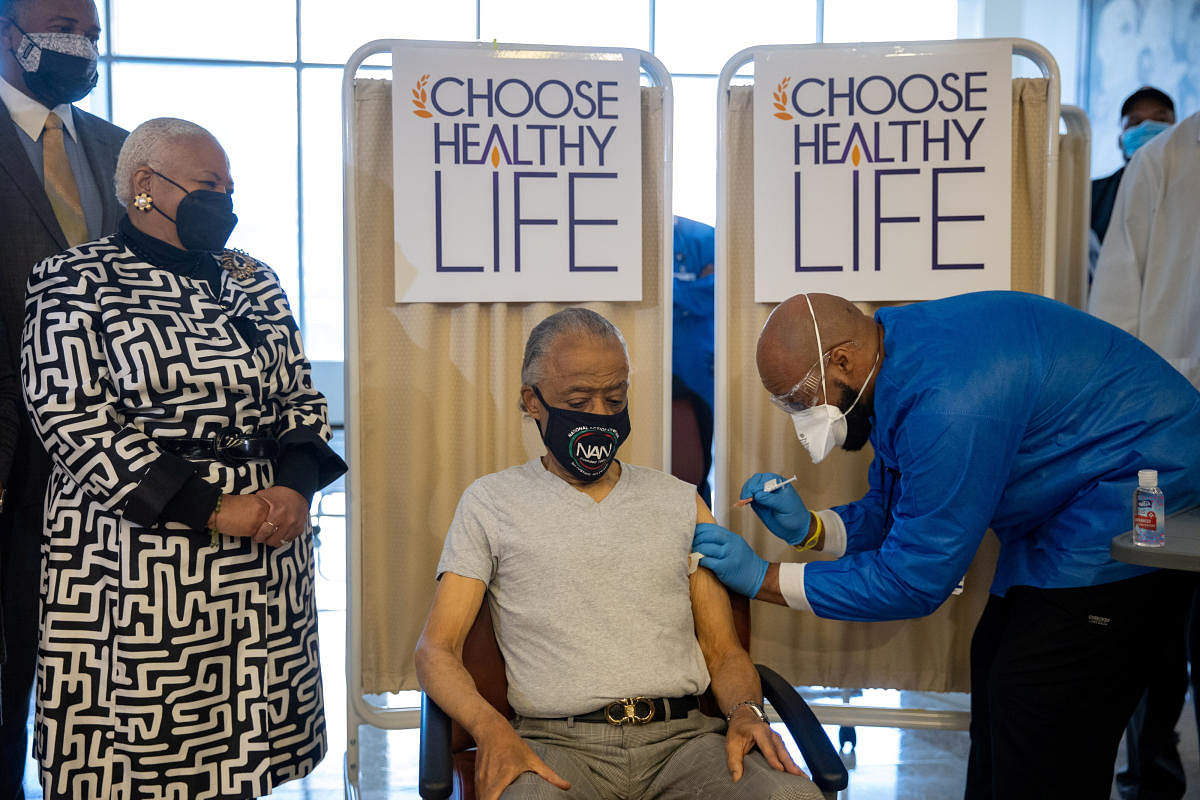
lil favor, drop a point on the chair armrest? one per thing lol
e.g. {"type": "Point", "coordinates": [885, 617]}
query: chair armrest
{"type": "Point", "coordinates": [828, 770]}
{"type": "Point", "coordinates": [436, 771]}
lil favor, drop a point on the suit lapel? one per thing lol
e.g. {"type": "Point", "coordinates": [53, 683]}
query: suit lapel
{"type": "Point", "coordinates": [15, 162]}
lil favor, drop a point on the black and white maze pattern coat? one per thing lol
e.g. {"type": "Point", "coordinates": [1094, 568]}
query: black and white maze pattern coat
{"type": "Point", "coordinates": [168, 668]}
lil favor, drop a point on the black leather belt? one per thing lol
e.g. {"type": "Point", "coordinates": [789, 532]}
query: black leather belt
{"type": "Point", "coordinates": [640, 710]}
{"type": "Point", "coordinates": [229, 446]}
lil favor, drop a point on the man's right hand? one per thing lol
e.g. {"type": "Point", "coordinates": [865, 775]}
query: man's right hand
{"type": "Point", "coordinates": [501, 759]}
{"type": "Point", "coordinates": [240, 515]}
{"type": "Point", "coordinates": [782, 511]}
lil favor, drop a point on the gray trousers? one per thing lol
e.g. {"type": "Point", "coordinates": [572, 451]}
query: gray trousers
{"type": "Point", "coordinates": [680, 758]}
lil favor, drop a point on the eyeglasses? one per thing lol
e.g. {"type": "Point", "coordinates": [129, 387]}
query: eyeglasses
{"type": "Point", "coordinates": [804, 395]}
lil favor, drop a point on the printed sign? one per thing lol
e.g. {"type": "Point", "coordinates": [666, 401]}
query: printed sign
{"type": "Point", "coordinates": [882, 172]}
{"type": "Point", "coordinates": [517, 175]}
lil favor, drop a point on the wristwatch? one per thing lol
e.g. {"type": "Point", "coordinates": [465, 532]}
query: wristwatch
{"type": "Point", "coordinates": [753, 705]}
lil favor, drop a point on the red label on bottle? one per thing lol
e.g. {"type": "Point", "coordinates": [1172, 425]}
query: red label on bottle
{"type": "Point", "coordinates": [1147, 521]}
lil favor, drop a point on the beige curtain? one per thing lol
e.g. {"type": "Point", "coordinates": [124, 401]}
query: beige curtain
{"type": "Point", "coordinates": [1074, 203]}
{"type": "Point", "coordinates": [438, 389]}
{"type": "Point", "coordinates": [930, 654]}
{"type": "Point", "coordinates": [1030, 139]}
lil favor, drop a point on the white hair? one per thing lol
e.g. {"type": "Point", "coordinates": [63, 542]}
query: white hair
{"type": "Point", "coordinates": [145, 148]}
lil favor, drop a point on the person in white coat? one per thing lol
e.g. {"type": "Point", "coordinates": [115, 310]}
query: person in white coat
{"type": "Point", "coordinates": [1148, 275]}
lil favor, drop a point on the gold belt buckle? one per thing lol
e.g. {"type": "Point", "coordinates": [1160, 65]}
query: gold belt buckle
{"type": "Point", "coordinates": [625, 711]}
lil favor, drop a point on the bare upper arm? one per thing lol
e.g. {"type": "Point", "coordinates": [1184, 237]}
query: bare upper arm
{"type": "Point", "coordinates": [713, 616]}
{"type": "Point", "coordinates": [455, 605]}
{"type": "Point", "coordinates": [711, 611]}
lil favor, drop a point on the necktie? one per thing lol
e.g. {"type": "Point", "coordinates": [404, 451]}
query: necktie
{"type": "Point", "coordinates": [61, 188]}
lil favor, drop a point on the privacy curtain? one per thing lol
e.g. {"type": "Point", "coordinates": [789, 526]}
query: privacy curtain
{"type": "Point", "coordinates": [438, 387]}
{"type": "Point", "coordinates": [930, 654]}
{"type": "Point", "coordinates": [1074, 211]}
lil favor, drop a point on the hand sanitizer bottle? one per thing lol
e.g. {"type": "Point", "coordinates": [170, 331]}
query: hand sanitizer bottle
{"type": "Point", "coordinates": [1148, 522]}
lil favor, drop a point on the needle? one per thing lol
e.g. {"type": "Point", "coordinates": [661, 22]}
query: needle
{"type": "Point", "coordinates": [769, 486]}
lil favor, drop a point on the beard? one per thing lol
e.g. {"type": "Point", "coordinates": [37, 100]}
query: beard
{"type": "Point", "coordinates": [858, 419]}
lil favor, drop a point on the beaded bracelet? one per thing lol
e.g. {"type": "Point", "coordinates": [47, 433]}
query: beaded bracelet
{"type": "Point", "coordinates": [814, 537]}
{"type": "Point", "coordinates": [213, 532]}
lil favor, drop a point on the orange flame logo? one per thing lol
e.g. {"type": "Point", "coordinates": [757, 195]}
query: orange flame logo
{"type": "Point", "coordinates": [780, 95]}
{"type": "Point", "coordinates": [855, 155]}
{"type": "Point", "coordinates": [420, 98]}
{"type": "Point", "coordinates": [495, 156]}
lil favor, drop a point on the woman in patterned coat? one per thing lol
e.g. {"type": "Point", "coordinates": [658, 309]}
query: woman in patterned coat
{"type": "Point", "coordinates": [166, 378]}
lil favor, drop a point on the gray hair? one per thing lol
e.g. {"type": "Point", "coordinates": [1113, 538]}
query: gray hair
{"type": "Point", "coordinates": [145, 147]}
{"type": "Point", "coordinates": [575, 321]}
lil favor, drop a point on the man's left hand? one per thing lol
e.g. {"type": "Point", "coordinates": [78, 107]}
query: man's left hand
{"type": "Point", "coordinates": [745, 733]}
{"type": "Point", "coordinates": [731, 559]}
{"type": "Point", "coordinates": [287, 518]}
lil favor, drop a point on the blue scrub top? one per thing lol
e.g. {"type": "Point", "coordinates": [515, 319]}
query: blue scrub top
{"type": "Point", "coordinates": [1010, 411]}
{"type": "Point", "coordinates": [693, 319]}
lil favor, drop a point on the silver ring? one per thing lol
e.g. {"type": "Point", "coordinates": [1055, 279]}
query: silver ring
{"type": "Point", "coordinates": [274, 527]}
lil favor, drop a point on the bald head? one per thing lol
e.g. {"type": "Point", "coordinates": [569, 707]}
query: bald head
{"type": "Point", "coordinates": [787, 346]}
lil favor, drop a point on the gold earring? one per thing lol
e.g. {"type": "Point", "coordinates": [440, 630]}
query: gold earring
{"type": "Point", "coordinates": [143, 202]}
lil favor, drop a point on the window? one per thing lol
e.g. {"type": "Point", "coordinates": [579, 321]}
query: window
{"type": "Point", "coordinates": [889, 21]}
{"type": "Point", "coordinates": [252, 112]}
{"type": "Point", "coordinates": [687, 39]}
{"type": "Point", "coordinates": [265, 77]}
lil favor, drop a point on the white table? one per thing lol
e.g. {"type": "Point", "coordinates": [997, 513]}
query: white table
{"type": "Point", "coordinates": [1182, 550]}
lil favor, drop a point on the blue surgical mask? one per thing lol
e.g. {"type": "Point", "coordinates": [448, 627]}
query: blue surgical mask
{"type": "Point", "coordinates": [1133, 139]}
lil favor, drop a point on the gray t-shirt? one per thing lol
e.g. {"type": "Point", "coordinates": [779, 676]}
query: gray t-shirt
{"type": "Point", "coordinates": [590, 600]}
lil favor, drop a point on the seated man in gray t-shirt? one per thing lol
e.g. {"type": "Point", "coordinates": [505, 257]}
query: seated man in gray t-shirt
{"type": "Point", "coordinates": [584, 560]}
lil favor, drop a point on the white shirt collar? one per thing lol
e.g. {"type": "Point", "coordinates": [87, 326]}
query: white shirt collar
{"type": "Point", "coordinates": [30, 115]}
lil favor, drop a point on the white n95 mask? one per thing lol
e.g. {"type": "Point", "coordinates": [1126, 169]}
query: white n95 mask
{"type": "Point", "coordinates": [822, 428]}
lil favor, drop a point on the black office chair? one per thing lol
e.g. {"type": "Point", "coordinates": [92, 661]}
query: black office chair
{"type": "Point", "coordinates": [447, 760]}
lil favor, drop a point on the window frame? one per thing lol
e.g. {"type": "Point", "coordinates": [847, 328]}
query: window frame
{"type": "Point", "coordinates": [298, 65]}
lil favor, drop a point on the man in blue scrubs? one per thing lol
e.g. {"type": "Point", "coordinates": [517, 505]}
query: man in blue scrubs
{"type": "Point", "coordinates": [993, 410]}
{"type": "Point", "coordinates": [692, 337]}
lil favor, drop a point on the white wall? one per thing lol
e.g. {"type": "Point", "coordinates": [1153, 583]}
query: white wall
{"type": "Point", "coordinates": [1054, 24]}
{"type": "Point", "coordinates": [1138, 43]}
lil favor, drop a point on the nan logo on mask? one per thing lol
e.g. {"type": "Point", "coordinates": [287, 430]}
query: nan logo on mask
{"type": "Point", "coordinates": [592, 449]}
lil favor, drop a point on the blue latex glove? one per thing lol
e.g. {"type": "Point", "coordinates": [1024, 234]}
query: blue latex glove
{"type": "Point", "coordinates": [782, 510]}
{"type": "Point", "coordinates": [729, 557]}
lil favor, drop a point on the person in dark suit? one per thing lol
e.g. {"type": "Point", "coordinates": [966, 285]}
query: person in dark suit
{"type": "Point", "coordinates": [10, 407]}
{"type": "Point", "coordinates": [1144, 114]}
{"type": "Point", "coordinates": [10, 414]}
{"type": "Point", "coordinates": [56, 191]}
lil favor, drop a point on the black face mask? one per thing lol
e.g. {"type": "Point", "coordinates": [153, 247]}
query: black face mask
{"type": "Point", "coordinates": [204, 219]}
{"type": "Point", "coordinates": [59, 67]}
{"type": "Point", "coordinates": [584, 444]}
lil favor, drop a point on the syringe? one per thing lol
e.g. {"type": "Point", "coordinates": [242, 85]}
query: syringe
{"type": "Point", "coordinates": [769, 486]}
